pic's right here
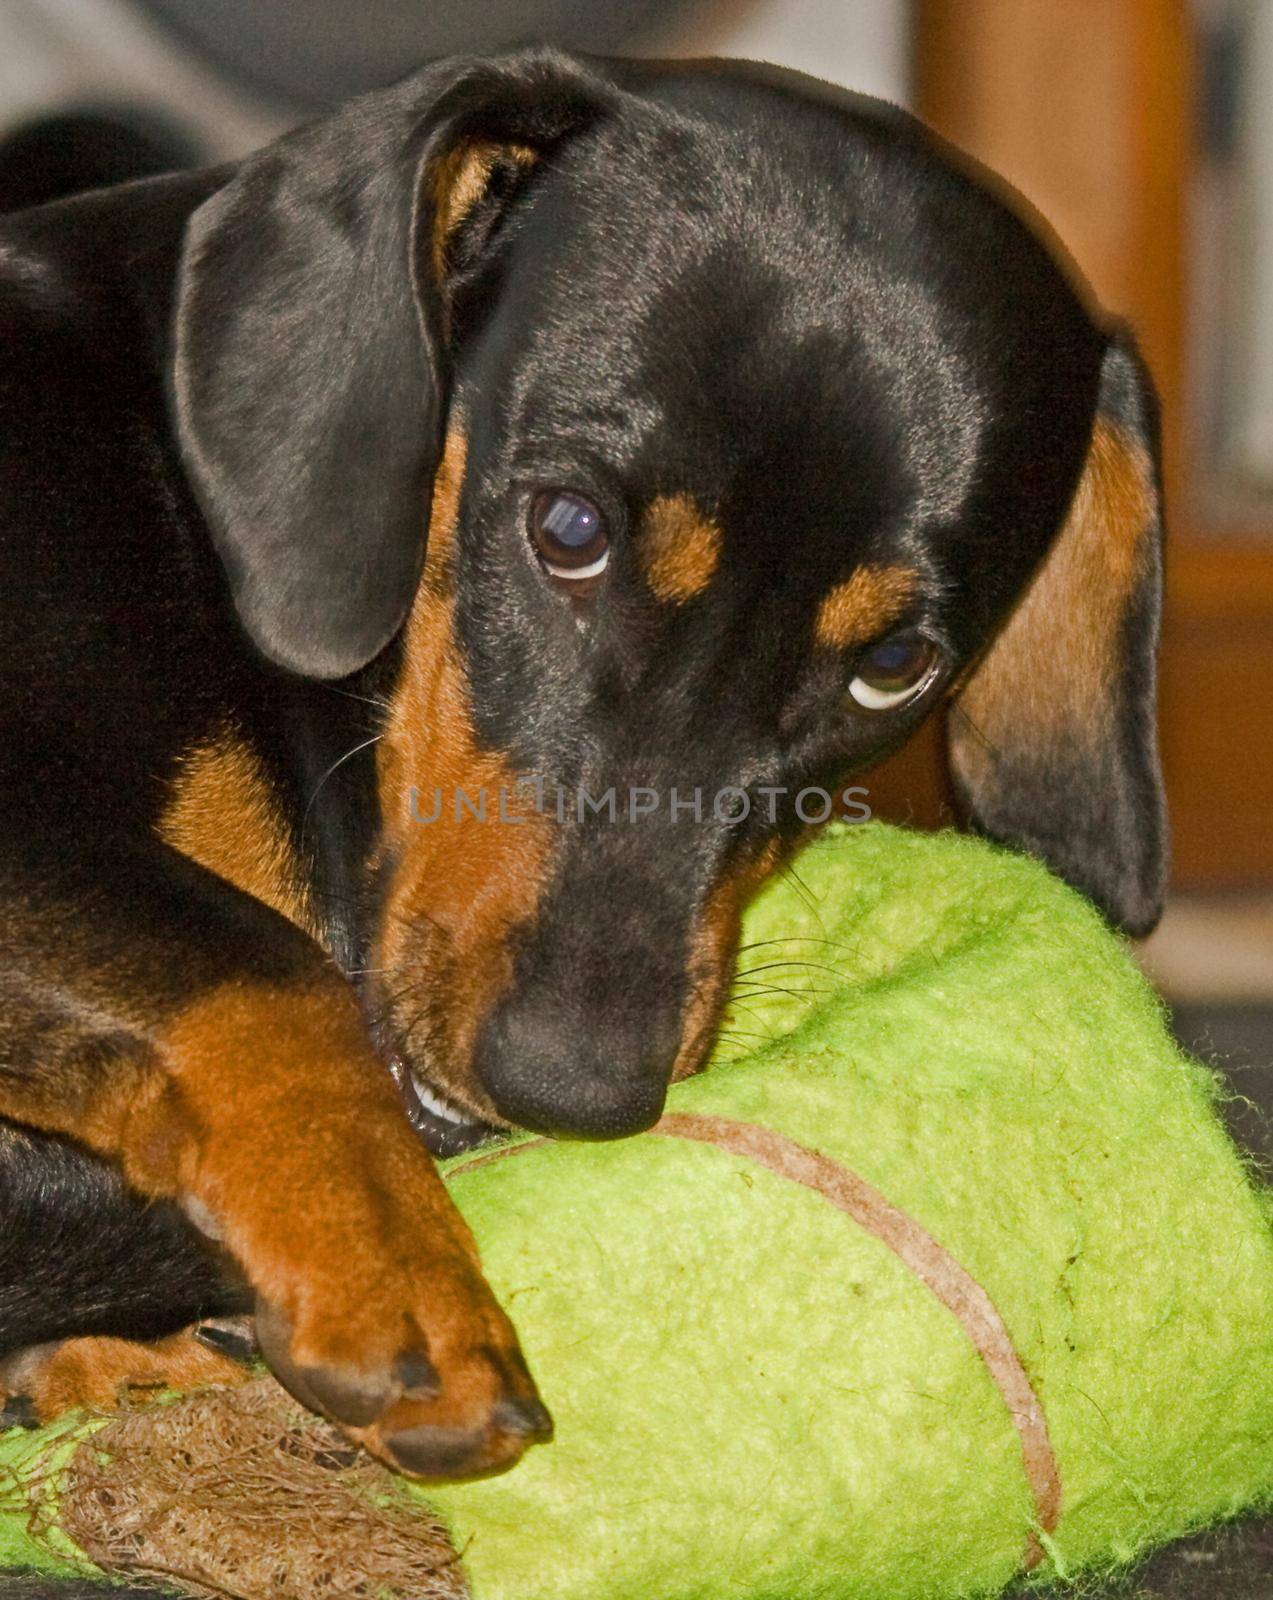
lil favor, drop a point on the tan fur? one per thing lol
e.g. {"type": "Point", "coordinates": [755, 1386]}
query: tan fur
{"type": "Point", "coordinates": [459, 886]}
{"type": "Point", "coordinates": [266, 1106]}
{"type": "Point", "coordinates": [861, 608]}
{"type": "Point", "coordinates": [223, 815]}
{"type": "Point", "coordinates": [287, 1128]}
{"type": "Point", "coordinates": [679, 548]}
{"type": "Point", "coordinates": [711, 963]}
{"type": "Point", "coordinates": [102, 1374]}
{"type": "Point", "coordinates": [1048, 677]}
{"type": "Point", "coordinates": [459, 180]}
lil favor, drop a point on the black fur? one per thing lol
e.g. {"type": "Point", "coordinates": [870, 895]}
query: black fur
{"type": "Point", "coordinates": [107, 1263]}
{"type": "Point", "coordinates": [221, 401]}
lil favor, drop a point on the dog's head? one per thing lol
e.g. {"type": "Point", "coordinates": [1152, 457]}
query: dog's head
{"type": "Point", "coordinates": [746, 431]}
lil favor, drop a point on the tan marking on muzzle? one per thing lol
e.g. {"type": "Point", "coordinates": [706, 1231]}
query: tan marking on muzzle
{"type": "Point", "coordinates": [713, 947]}
{"type": "Point", "coordinates": [459, 886]}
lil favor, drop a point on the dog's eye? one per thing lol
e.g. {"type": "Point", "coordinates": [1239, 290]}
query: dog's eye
{"type": "Point", "coordinates": [569, 535]}
{"type": "Point", "coordinates": [894, 671]}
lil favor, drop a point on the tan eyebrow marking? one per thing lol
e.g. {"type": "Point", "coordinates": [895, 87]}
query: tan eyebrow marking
{"type": "Point", "coordinates": [863, 605]}
{"type": "Point", "coordinates": [679, 548]}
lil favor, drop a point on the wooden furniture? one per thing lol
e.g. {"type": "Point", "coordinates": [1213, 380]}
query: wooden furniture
{"type": "Point", "coordinates": [1088, 108]}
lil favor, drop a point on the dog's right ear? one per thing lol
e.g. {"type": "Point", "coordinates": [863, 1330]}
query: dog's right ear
{"type": "Point", "coordinates": [1053, 737]}
{"type": "Point", "coordinates": [310, 368]}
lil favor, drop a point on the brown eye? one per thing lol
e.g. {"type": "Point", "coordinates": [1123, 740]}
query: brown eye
{"type": "Point", "coordinates": [569, 535]}
{"type": "Point", "coordinates": [895, 671]}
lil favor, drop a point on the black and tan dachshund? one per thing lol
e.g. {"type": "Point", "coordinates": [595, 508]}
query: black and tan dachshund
{"type": "Point", "coordinates": [535, 428]}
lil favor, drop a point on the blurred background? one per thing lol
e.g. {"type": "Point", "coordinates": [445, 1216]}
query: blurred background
{"type": "Point", "coordinates": [1143, 131]}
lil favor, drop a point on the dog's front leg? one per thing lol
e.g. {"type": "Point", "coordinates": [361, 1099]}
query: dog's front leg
{"type": "Point", "coordinates": [191, 1034]}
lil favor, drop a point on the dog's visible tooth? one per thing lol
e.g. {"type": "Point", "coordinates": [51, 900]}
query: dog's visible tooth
{"type": "Point", "coordinates": [433, 1101]}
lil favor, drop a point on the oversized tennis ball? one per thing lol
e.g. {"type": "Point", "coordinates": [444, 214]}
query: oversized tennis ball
{"type": "Point", "coordinates": [945, 1270]}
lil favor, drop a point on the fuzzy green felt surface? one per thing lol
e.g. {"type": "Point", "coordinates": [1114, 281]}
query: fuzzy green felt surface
{"type": "Point", "coordinates": [754, 1397]}
{"type": "Point", "coordinates": [24, 1454]}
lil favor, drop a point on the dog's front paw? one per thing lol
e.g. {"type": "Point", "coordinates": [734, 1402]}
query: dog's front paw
{"type": "Point", "coordinates": [100, 1374]}
{"type": "Point", "coordinates": [422, 1367]}
{"type": "Point", "coordinates": [371, 1304]}
{"type": "Point", "coordinates": [287, 1142]}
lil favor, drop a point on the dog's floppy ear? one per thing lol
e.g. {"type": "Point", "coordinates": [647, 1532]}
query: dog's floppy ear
{"type": "Point", "coordinates": [309, 378]}
{"type": "Point", "coordinates": [1053, 741]}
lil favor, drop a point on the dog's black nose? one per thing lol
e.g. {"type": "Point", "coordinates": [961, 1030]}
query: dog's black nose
{"type": "Point", "coordinates": [593, 1079]}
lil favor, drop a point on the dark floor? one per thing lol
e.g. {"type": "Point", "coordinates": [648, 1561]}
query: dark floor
{"type": "Point", "coordinates": [1233, 1563]}
{"type": "Point", "coordinates": [1238, 1040]}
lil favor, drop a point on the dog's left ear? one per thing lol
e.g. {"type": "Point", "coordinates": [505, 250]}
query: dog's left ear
{"type": "Point", "coordinates": [310, 368]}
{"type": "Point", "coordinates": [1053, 737]}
